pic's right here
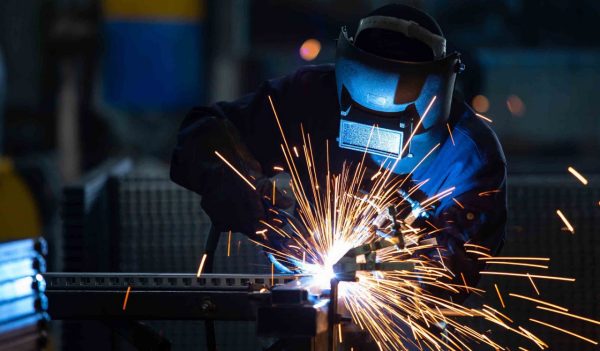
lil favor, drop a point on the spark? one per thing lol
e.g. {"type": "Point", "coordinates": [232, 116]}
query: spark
{"type": "Point", "coordinates": [126, 297]}
{"type": "Point", "coordinates": [340, 333]}
{"type": "Point", "coordinates": [477, 246]}
{"type": "Point", "coordinates": [533, 284]}
{"type": "Point", "coordinates": [565, 221]}
{"type": "Point", "coordinates": [505, 258]}
{"type": "Point", "coordinates": [564, 331]}
{"type": "Point", "coordinates": [488, 193]}
{"type": "Point", "coordinates": [487, 119]}
{"type": "Point", "coordinates": [519, 264]}
{"type": "Point", "coordinates": [548, 277]}
{"type": "Point", "coordinates": [500, 296]}
{"type": "Point", "coordinates": [450, 132]}
{"type": "Point", "coordinates": [578, 175]}
{"type": "Point", "coordinates": [376, 175]}
{"type": "Point", "coordinates": [229, 244]}
{"type": "Point", "coordinates": [458, 203]}
{"type": "Point", "coordinates": [277, 168]}
{"type": "Point", "coordinates": [538, 301]}
{"type": "Point", "coordinates": [201, 266]}
{"type": "Point", "coordinates": [569, 315]}
{"type": "Point", "coordinates": [394, 307]}
{"type": "Point", "coordinates": [274, 191]}
{"type": "Point", "coordinates": [235, 170]}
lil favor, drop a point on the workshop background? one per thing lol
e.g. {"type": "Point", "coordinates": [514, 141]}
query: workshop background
{"type": "Point", "coordinates": [92, 93]}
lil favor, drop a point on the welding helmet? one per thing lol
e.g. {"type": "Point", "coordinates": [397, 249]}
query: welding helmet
{"type": "Point", "coordinates": [393, 89]}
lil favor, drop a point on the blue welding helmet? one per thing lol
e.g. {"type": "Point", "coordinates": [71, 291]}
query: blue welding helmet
{"type": "Point", "coordinates": [383, 96]}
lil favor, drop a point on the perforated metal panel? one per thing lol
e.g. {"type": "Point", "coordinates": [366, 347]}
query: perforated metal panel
{"type": "Point", "coordinates": [535, 230]}
{"type": "Point", "coordinates": [162, 228]}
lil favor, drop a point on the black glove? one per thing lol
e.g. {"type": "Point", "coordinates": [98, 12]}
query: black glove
{"type": "Point", "coordinates": [228, 200]}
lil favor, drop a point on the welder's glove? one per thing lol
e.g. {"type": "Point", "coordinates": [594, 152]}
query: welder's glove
{"type": "Point", "coordinates": [228, 200]}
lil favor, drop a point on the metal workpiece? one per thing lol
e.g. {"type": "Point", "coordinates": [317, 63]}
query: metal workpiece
{"type": "Point", "coordinates": [155, 305]}
{"type": "Point", "coordinates": [364, 257]}
{"type": "Point", "coordinates": [295, 312]}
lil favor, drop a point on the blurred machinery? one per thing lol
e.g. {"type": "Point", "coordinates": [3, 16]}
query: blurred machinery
{"type": "Point", "coordinates": [23, 304]}
{"type": "Point", "coordinates": [19, 216]}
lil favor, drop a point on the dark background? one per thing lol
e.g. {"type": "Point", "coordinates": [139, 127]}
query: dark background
{"type": "Point", "coordinates": [82, 82]}
{"type": "Point", "coordinates": [542, 53]}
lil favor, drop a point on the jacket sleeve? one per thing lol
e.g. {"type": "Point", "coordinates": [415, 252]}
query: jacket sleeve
{"type": "Point", "coordinates": [237, 131]}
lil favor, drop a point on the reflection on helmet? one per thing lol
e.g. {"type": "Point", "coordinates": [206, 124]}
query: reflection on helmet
{"type": "Point", "coordinates": [382, 100]}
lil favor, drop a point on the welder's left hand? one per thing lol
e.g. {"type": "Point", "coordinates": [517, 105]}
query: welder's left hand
{"type": "Point", "coordinates": [277, 188]}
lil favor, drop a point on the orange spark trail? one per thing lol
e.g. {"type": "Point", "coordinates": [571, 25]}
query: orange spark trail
{"type": "Point", "coordinates": [274, 191]}
{"type": "Point", "coordinates": [272, 274]}
{"type": "Point", "coordinates": [499, 296]}
{"type": "Point", "coordinates": [533, 284]}
{"type": "Point", "coordinates": [126, 297]}
{"type": "Point", "coordinates": [538, 301]}
{"type": "Point", "coordinates": [235, 170]}
{"type": "Point", "coordinates": [450, 132]}
{"type": "Point", "coordinates": [526, 274]}
{"type": "Point", "coordinates": [569, 315]}
{"type": "Point", "coordinates": [201, 266]}
{"type": "Point", "coordinates": [458, 203]}
{"type": "Point", "coordinates": [578, 175]}
{"type": "Point", "coordinates": [229, 244]}
{"type": "Point", "coordinates": [564, 331]}
{"type": "Point", "coordinates": [483, 117]}
{"type": "Point", "coordinates": [565, 221]}
{"type": "Point", "coordinates": [514, 258]}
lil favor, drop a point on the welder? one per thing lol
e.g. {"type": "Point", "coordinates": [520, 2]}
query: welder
{"type": "Point", "coordinates": [393, 72]}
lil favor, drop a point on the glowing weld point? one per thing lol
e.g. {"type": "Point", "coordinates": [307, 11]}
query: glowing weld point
{"type": "Point", "coordinates": [578, 175]}
{"type": "Point", "coordinates": [201, 266]}
{"type": "Point", "coordinates": [565, 221]}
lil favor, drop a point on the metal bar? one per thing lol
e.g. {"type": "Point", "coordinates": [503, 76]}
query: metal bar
{"type": "Point", "coordinates": [162, 281]}
{"type": "Point", "coordinates": [155, 305]}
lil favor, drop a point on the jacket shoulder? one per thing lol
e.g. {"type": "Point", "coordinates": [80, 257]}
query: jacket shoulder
{"type": "Point", "coordinates": [477, 132]}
